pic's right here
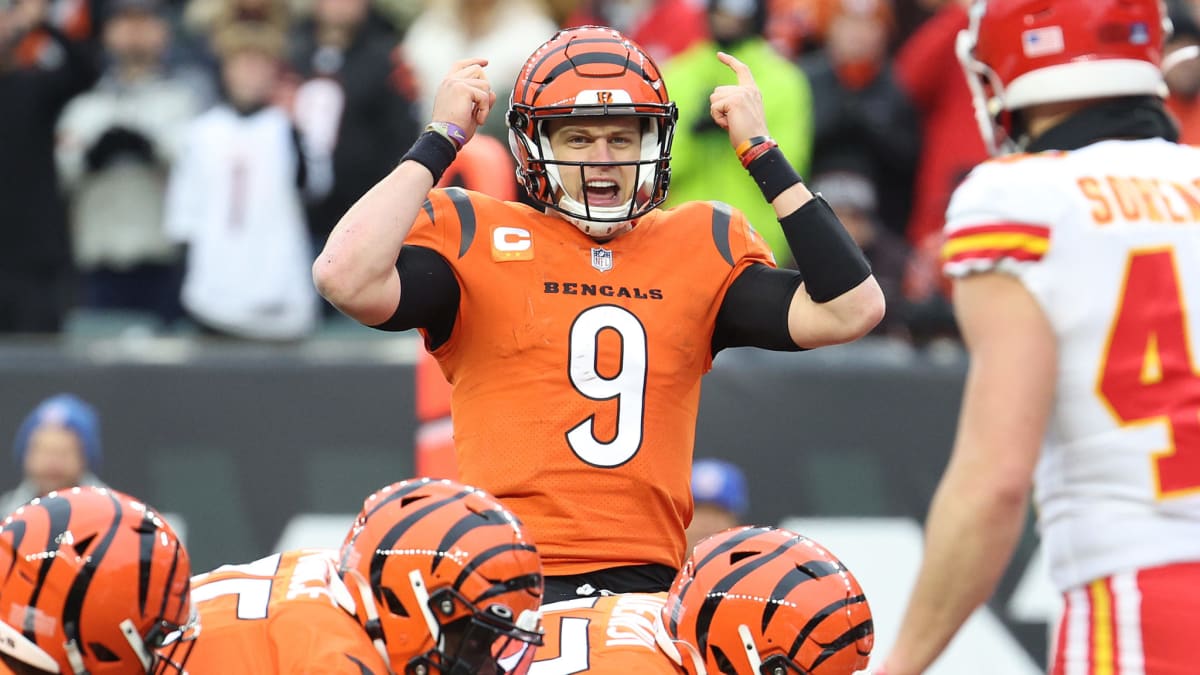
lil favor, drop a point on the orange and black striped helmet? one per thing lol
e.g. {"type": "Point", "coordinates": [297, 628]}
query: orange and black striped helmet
{"type": "Point", "coordinates": [92, 581]}
{"type": "Point", "coordinates": [447, 580]}
{"type": "Point", "coordinates": [591, 71]}
{"type": "Point", "coordinates": [766, 601]}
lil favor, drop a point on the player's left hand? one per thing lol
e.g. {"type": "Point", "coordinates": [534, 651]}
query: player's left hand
{"type": "Point", "coordinates": [738, 108]}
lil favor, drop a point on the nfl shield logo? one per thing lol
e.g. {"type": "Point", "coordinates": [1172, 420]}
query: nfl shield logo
{"type": "Point", "coordinates": [602, 259]}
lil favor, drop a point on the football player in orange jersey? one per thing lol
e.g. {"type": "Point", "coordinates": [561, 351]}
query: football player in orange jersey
{"type": "Point", "coordinates": [750, 600]}
{"type": "Point", "coordinates": [92, 581]}
{"type": "Point", "coordinates": [433, 577]}
{"type": "Point", "coordinates": [576, 335]}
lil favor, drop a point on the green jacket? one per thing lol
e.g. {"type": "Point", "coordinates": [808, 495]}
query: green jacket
{"type": "Point", "coordinates": [703, 164]}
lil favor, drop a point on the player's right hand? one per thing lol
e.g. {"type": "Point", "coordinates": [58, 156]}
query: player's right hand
{"type": "Point", "coordinates": [465, 97]}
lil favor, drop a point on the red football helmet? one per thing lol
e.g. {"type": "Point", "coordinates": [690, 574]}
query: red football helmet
{"type": "Point", "coordinates": [92, 581]}
{"type": "Point", "coordinates": [591, 71]}
{"type": "Point", "coordinates": [446, 578]}
{"type": "Point", "coordinates": [759, 600]}
{"type": "Point", "coordinates": [1018, 53]}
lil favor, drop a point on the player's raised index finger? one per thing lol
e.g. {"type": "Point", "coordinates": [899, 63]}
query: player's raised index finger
{"type": "Point", "coordinates": [744, 77]}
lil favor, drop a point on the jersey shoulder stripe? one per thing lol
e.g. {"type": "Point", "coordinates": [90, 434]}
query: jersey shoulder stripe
{"type": "Point", "coordinates": [994, 241]}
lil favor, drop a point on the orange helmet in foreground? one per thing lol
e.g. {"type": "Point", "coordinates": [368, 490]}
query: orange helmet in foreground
{"type": "Point", "coordinates": [92, 581]}
{"type": "Point", "coordinates": [446, 578]}
{"type": "Point", "coordinates": [764, 600]}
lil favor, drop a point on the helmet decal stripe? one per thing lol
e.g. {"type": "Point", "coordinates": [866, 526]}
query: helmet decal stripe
{"type": "Point", "coordinates": [521, 583]}
{"type": "Point", "coordinates": [146, 531]}
{"type": "Point", "coordinates": [487, 555]}
{"type": "Point", "coordinates": [820, 616]}
{"type": "Point", "coordinates": [187, 582]}
{"type": "Point", "coordinates": [725, 546]}
{"type": "Point", "coordinates": [398, 494]}
{"type": "Point", "coordinates": [17, 527]}
{"type": "Point", "coordinates": [588, 58]}
{"type": "Point", "coordinates": [389, 539]}
{"type": "Point", "coordinates": [846, 639]}
{"type": "Point", "coordinates": [466, 525]}
{"type": "Point", "coordinates": [73, 606]}
{"type": "Point", "coordinates": [722, 588]}
{"type": "Point", "coordinates": [552, 52]}
{"type": "Point", "coordinates": [59, 511]}
{"type": "Point", "coordinates": [809, 571]}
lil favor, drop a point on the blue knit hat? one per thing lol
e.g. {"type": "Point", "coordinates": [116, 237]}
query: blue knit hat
{"type": "Point", "coordinates": [68, 411]}
{"type": "Point", "coordinates": [720, 483]}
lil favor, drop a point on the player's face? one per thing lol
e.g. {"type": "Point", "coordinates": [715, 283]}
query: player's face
{"type": "Point", "coordinates": [611, 139]}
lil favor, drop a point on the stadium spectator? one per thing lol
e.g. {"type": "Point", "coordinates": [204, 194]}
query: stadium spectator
{"type": "Point", "coordinates": [35, 261]}
{"type": "Point", "coordinates": [719, 496]}
{"type": "Point", "coordinates": [433, 576]}
{"type": "Point", "coordinates": [57, 446]}
{"type": "Point", "coordinates": [208, 18]}
{"type": "Point", "coordinates": [576, 336]}
{"type": "Point", "coordinates": [116, 144]}
{"type": "Point", "coordinates": [354, 101]}
{"type": "Point", "coordinates": [701, 167]}
{"type": "Point", "coordinates": [446, 32]}
{"type": "Point", "coordinates": [1182, 70]}
{"type": "Point", "coordinates": [92, 581]}
{"type": "Point", "coordinates": [750, 600]}
{"type": "Point", "coordinates": [950, 147]}
{"type": "Point", "coordinates": [235, 197]}
{"type": "Point", "coordinates": [1071, 293]}
{"type": "Point", "coordinates": [863, 120]}
{"type": "Point", "coordinates": [663, 28]}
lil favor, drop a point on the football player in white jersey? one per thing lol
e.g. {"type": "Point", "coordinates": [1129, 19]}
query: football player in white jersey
{"type": "Point", "coordinates": [1075, 259]}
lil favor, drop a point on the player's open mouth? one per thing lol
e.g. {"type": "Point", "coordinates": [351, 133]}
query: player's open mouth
{"type": "Point", "coordinates": [602, 192]}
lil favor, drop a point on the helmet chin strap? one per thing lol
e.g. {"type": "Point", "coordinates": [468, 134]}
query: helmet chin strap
{"type": "Point", "coordinates": [670, 647]}
{"type": "Point", "coordinates": [985, 107]}
{"type": "Point", "coordinates": [374, 630]}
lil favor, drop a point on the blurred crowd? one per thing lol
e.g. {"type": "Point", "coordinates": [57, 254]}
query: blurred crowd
{"type": "Point", "coordinates": [181, 161]}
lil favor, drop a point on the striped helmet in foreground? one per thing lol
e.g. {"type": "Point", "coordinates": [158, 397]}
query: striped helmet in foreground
{"type": "Point", "coordinates": [92, 581]}
{"type": "Point", "coordinates": [446, 578]}
{"type": "Point", "coordinates": [766, 601]}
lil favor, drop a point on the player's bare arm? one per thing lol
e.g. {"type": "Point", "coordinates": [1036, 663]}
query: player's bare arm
{"type": "Point", "coordinates": [814, 320]}
{"type": "Point", "coordinates": [979, 508]}
{"type": "Point", "coordinates": [356, 271]}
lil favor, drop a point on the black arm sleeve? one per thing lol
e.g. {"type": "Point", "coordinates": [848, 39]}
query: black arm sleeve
{"type": "Point", "coordinates": [755, 310]}
{"type": "Point", "coordinates": [429, 295]}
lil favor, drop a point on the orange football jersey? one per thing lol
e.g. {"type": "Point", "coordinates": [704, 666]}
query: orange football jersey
{"type": "Point", "coordinates": [613, 634]}
{"type": "Point", "coordinates": [576, 367]}
{"type": "Point", "coordinates": [278, 615]}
